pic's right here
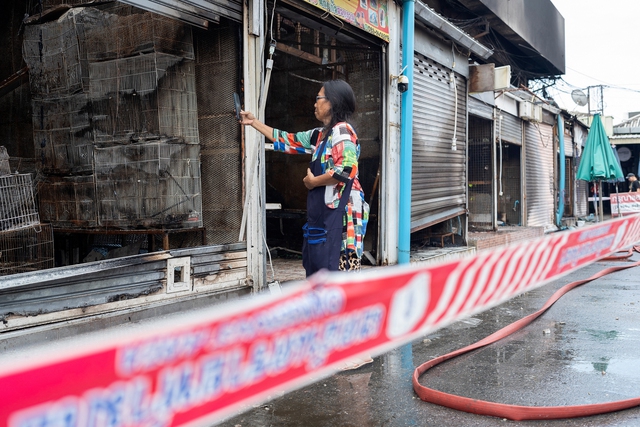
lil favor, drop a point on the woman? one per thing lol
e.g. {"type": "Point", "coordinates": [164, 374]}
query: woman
{"type": "Point", "coordinates": [337, 214]}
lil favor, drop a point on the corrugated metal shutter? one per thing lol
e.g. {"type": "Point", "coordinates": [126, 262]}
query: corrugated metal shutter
{"type": "Point", "coordinates": [438, 172]}
{"type": "Point", "coordinates": [194, 12]}
{"type": "Point", "coordinates": [511, 128]}
{"type": "Point", "coordinates": [140, 279]}
{"type": "Point", "coordinates": [480, 108]}
{"type": "Point", "coordinates": [539, 174]}
{"type": "Point", "coordinates": [582, 190]}
{"type": "Point", "coordinates": [568, 141]}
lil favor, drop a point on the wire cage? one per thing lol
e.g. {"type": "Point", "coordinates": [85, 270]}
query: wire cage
{"type": "Point", "coordinates": [26, 249]}
{"type": "Point", "coordinates": [480, 174]}
{"type": "Point", "coordinates": [25, 244]}
{"type": "Point", "coordinates": [17, 205]}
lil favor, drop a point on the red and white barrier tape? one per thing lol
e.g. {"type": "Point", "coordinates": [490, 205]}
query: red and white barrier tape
{"type": "Point", "coordinates": [207, 366]}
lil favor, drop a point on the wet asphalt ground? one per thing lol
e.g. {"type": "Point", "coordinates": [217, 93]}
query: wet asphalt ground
{"type": "Point", "coordinates": [585, 349]}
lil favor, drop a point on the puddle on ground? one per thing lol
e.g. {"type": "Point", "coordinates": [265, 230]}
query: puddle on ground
{"type": "Point", "coordinates": [627, 368]}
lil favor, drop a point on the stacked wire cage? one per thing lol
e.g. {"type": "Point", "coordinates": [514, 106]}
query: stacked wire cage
{"type": "Point", "coordinates": [115, 119]}
{"type": "Point", "coordinates": [25, 244]}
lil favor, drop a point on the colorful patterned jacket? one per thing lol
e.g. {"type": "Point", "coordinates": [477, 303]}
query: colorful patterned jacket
{"type": "Point", "coordinates": [340, 159]}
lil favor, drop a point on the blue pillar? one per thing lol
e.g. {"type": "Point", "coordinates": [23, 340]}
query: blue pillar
{"type": "Point", "coordinates": [406, 133]}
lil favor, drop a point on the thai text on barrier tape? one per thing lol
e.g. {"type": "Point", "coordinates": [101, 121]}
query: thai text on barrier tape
{"type": "Point", "coordinates": [205, 366]}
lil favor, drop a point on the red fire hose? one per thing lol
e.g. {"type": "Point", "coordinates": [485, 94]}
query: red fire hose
{"type": "Point", "coordinates": [516, 412]}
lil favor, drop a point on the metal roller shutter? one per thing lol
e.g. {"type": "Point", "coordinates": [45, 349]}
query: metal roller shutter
{"type": "Point", "coordinates": [195, 12]}
{"type": "Point", "coordinates": [539, 181]}
{"type": "Point", "coordinates": [582, 189]}
{"type": "Point", "coordinates": [568, 141]}
{"type": "Point", "coordinates": [480, 108]}
{"type": "Point", "coordinates": [438, 173]}
{"type": "Point", "coordinates": [511, 128]}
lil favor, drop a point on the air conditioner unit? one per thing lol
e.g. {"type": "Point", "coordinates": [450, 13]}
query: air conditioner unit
{"type": "Point", "coordinates": [527, 110]}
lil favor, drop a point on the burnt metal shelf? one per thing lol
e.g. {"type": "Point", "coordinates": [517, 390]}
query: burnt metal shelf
{"type": "Point", "coordinates": [148, 231]}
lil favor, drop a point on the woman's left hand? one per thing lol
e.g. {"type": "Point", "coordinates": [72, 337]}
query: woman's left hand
{"type": "Point", "coordinates": [308, 180]}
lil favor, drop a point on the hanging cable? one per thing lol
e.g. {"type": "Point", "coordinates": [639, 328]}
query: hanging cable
{"type": "Point", "coordinates": [500, 148]}
{"type": "Point", "coordinates": [253, 160]}
{"type": "Point", "coordinates": [455, 99]}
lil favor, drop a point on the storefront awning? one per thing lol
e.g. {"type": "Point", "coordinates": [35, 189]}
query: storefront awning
{"type": "Point", "coordinates": [625, 139]}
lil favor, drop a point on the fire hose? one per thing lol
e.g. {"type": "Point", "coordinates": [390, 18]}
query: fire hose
{"type": "Point", "coordinates": [517, 412]}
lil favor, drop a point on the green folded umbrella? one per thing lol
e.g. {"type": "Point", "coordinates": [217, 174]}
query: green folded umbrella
{"type": "Point", "coordinates": [598, 161]}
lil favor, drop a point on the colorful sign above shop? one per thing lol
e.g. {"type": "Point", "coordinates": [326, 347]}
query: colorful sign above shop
{"type": "Point", "coordinates": [369, 15]}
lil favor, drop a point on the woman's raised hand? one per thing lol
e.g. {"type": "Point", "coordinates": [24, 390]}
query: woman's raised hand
{"type": "Point", "coordinates": [246, 118]}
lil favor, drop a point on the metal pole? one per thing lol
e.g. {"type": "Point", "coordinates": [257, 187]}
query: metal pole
{"type": "Point", "coordinates": [600, 200]}
{"type": "Point", "coordinates": [406, 134]}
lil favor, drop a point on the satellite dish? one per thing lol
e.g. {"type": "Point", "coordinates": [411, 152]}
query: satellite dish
{"type": "Point", "coordinates": [579, 97]}
{"type": "Point", "coordinates": [624, 154]}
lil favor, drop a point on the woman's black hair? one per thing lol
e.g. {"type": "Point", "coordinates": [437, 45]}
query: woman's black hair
{"type": "Point", "coordinates": [342, 99]}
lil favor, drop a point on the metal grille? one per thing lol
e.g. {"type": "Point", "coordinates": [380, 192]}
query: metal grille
{"type": "Point", "coordinates": [26, 249]}
{"type": "Point", "coordinates": [569, 175]}
{"type": "Point", "coordinates": [438, 172]}
{"type": "Point", "coordinates": [581, 194]}
{"type": "Point", "coordinates": [17, 205]}
{"type": "Point", "coordinates": [568, 140]}
{"type": "Point", "coordinates": [539, 180]}
{"type": "Point", "coordinates": [509, 203]}
{"type": "Point", "coordinates": [480, 174]}
{"type": "Point", "coordinates": [217, 67]}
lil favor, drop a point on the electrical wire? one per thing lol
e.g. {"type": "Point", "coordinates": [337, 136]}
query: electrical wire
{"type": "Point", "coordinates": [455, 96]}
{"type": "Point", "coordinates": [500, 148]}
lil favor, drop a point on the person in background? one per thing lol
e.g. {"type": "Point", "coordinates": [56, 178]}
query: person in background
{"type": "Point", "coordinates": [337, 213]}
{"type": "Point", "coordinates": [634, 185]}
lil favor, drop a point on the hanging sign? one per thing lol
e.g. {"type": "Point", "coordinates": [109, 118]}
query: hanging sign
{"type": "Point", "coordinates": [369, 15]}
{"type": "Point", "coordinates": [624, 203]}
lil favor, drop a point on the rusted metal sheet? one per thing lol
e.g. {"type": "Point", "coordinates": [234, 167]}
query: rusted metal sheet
{"type": "Point", "coordinates": [137, 279]}
{"type": "Point", "coordinates": [481, 78]}
{"type": "Point", "coordinates": [194, 12]}
{"type": "Point", "coordinates": [66, 288]}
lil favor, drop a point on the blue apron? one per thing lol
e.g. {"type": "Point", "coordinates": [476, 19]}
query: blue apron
{"type": "Point", "coordinates": [323, 230]}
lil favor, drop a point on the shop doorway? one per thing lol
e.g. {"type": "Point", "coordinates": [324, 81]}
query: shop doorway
{"type": "Point", "coordinates": [480, 178]}
{"type": "Point", "coordinates": [308, 53]}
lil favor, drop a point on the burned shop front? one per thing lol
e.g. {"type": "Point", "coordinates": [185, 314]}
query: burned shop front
{"type": "Point", "coordinates": [121, 147]}
{"type": "Point", "coordinates": [124, 174]}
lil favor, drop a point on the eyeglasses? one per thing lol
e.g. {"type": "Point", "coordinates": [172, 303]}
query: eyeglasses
{"type": "Point", "coordinates": [318, 98]}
